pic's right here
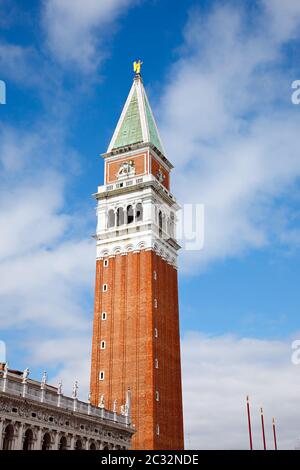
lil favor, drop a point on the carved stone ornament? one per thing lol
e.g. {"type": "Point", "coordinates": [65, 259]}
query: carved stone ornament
{"type": "Point", "coordinates": [160, 176]}
{"type": "Point", "coordinates": [126, 170]}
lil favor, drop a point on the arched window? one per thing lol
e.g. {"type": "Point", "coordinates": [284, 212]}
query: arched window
{"type": "Point", "coordinates": [160, 222]}
{"type": "Point", "coordinates": [8, 437]}
{"type": "Point", "coordinates": [93, 446]}
{"type": "Point", "coordinates": [63, 443]}
{"type": "Point", "coordinates": [139, 212]}
{"type": "Point", "coordinates": [111, 218]}
{"type": "Point", "coordinates": [120, 216]}
{"type": "Point", "coordinates": [78, 445]}
{"type": "Point", "coordinates": [28, 441]}
{"type": "Point", "coordinates": [46, 443]}
{"type": "Point", "coordinates": [130, 215]}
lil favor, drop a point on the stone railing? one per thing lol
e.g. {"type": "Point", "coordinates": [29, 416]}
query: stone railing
{"type": "Point", "coordinates": [126, 183]}
{"type": "Point", "coordinates": [43, 393]}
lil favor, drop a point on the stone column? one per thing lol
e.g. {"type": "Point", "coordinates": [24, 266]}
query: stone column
{"type": "Point", "coordinates": [4, 385]}
{"type": "Point", "coordinates": [38, 444]}
{"type": "Point", "coordinates": [86, 444]}
{"type": "Point", "coordinates": [72, 442]}
{"type": "Point", "coordinates": [75, 404]}
{"type": "Point", "coordinates": [56, 441]}
{"type": "Point", "coordinates": [1, 434]}
{"type": "Point", "coordinates": [42, 395]}
{"type": "Point", "coordinates": [19, 440]}
{"type": "Point", "coordinates": [24, 393]}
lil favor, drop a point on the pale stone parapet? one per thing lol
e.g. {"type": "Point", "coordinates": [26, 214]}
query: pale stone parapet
{"type": "Point", "coordinates": [88, 426]}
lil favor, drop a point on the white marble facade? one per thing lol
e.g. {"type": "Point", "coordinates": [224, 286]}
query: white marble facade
{"type": "Point", "coordinates": [37, 416]}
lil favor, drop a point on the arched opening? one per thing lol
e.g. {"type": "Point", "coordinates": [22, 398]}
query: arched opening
{"type": "Point", "coordinates": [111, 218]}
{"type": "Point", "coordinates": [78, 444]}
{"type": "Point", "coordinates": [28, 440]}
{"type": "Point", "coordinates": [120, 216]}
{"type": "Point", "coordinates": [160, 223]}
{"type": "Point", "coordinates": [130, 215]}
{"type": "Point", "coordinates": [46, 443]}
{"type": "Point", "coordinates": [63, 443]}
{"type": "Point", "coordinates": [93, 446]}
{"type": "Point", "coordinates": [106, 447]}
{"type": "Point", "coordinates": [139, 212]}
{"type": "Point", "coordinates": [8, 437]}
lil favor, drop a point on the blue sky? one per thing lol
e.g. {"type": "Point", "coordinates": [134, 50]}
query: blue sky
{"type": "Point", "coordinates": [218, 75]}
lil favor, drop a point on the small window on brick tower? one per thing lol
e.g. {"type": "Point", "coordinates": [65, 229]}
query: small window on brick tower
{"type": "Point", "coordinates": [157, 429]}
{"type": "Point", "coordinates": [105, 263]}
{"type": "Point", "coordinates": [157, 395]}
{"type": "Point", "coordinates": [103, 316]}
{"type": "Point", "coordinates": [101, 375]}
{"type": "Point", "coordinates": [155, 333]}
{"type": "Point", "coordinates": [156, 363]}
{"type": "Point", "coordinates": [102, 345]}
{"type": "Point", "coordinates": [155, 303]}
{"type": "Point", "coordinates": [104, 288]}
{"type": "Point", "coordinates": [154, 275]}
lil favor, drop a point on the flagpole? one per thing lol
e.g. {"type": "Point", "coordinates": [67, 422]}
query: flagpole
{"type": "Point", "coordinates": [249, 423]}
{"type": "Point", "coordinates": [263, 428]}
{"type": "Point", "coordinates": [274, 434]}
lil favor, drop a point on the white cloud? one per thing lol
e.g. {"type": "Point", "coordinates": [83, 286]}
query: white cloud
{"type": "Point", "coordinates": [18, 63]}
{"type": "Point", "coordinates": [230, 127]}
{"type": "Point", "coordinates": [72, 354]}
{"type": "Point", "coordinates": [46, 255]}
{"type": "Point", "coordinates": [26, 208]}
{"type": "Point", "coordinates": [77, 31]}
{"type": "Point", "coordinates": [285, 18]}
{"type": "Point", "coordinates": [219, 372]}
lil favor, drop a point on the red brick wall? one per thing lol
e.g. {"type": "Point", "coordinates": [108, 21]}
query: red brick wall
{"type": "Point", "coordinates": [131, 348]}
{"type": "Point", "coordinates": [140, 164]}
{"type": "Point", "coordinates": [155, 166]}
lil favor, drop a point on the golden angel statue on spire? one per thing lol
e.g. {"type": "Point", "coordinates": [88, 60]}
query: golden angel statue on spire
{"type": "Point", "coordinates": [137, 65]}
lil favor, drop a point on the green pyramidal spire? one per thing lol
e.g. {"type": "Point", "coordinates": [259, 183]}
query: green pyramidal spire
{"type": "Point", "coordinates": [136, 124]}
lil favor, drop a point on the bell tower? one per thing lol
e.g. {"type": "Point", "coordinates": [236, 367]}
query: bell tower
{"type": "Point", "coordinates": [136, 342]}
